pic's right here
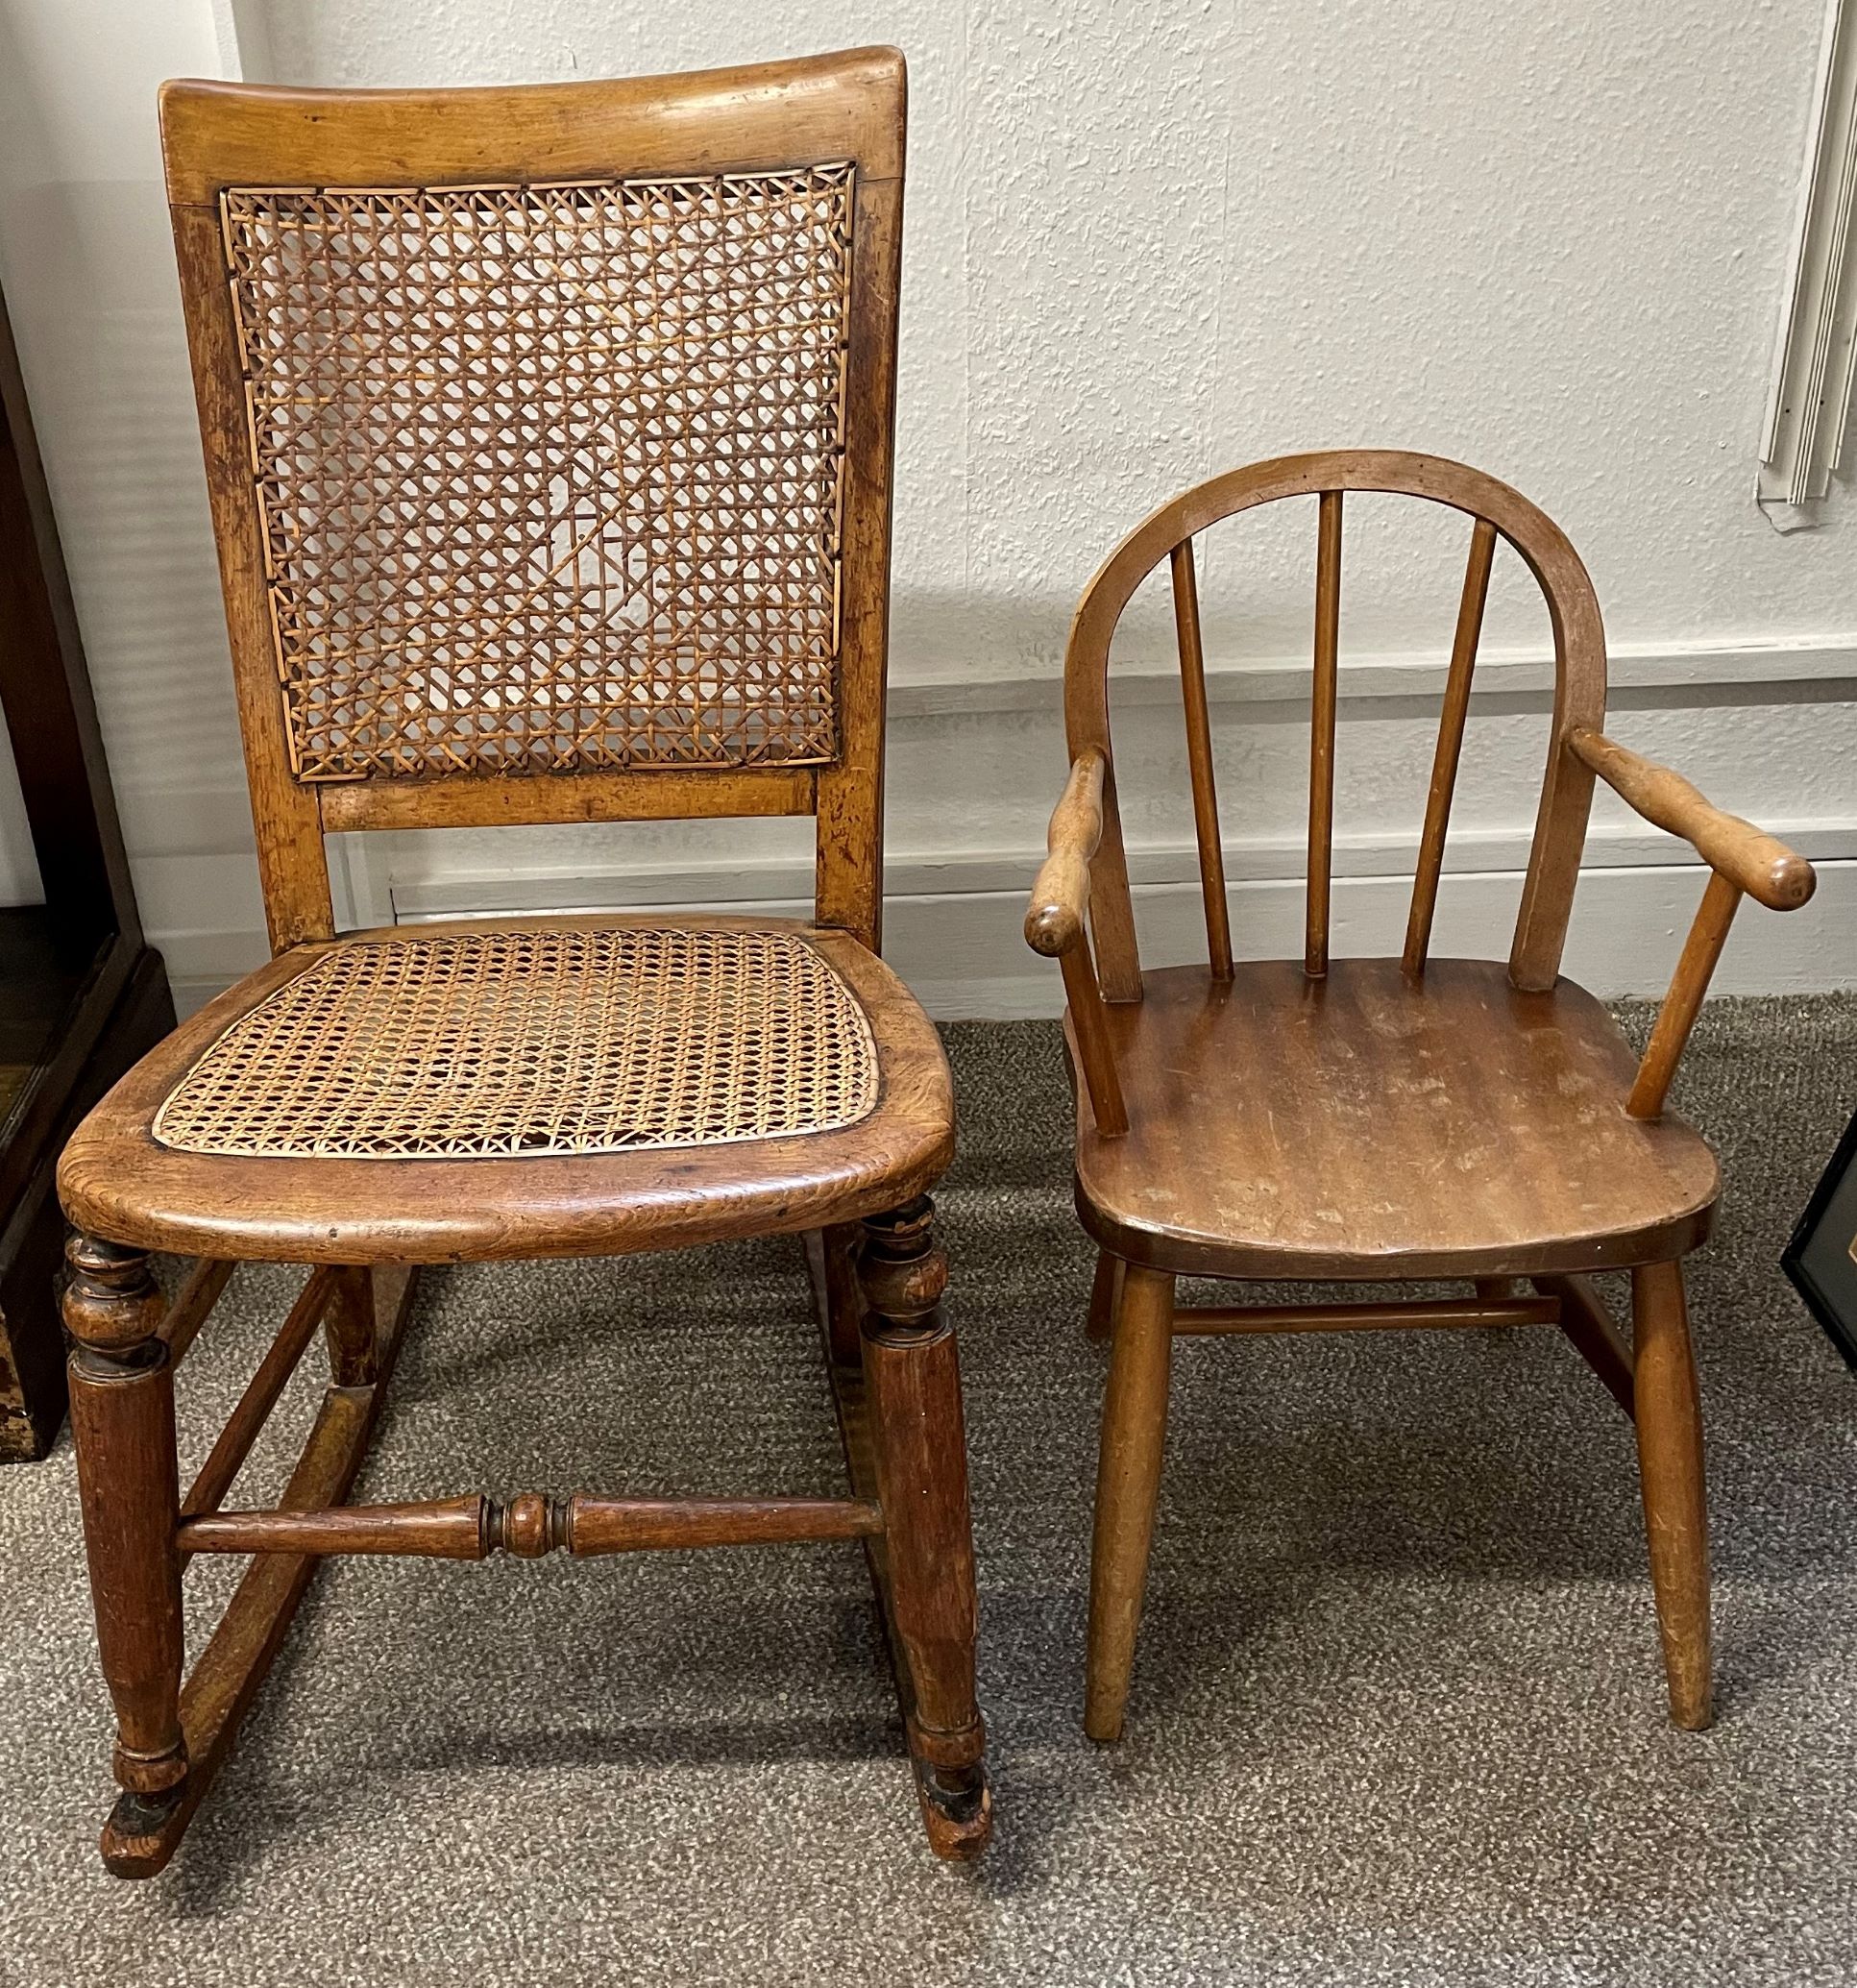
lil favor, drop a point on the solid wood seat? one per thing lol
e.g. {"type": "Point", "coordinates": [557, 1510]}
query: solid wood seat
{"type": "Point", "coordinates": [609, 1105]}
{"type": "Point", "coordinates": [1371, 1124]}
{"type": "Point", "coordinates": [1401, 1121]}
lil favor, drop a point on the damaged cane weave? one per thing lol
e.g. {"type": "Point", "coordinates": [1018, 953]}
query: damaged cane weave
{"type": "Point", "coordinates": [530, 1043]}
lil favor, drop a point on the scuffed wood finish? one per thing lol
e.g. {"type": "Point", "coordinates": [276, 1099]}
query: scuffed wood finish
{"type": "Point", "coordinates": [848, 867]}
{"type": "Point", "coordinates": [1374, 1125]}
{"type": "Point", "coordinates": [1670, 1469]}
{"type": "Point", "coordinates": [363, 1223]}
{"type": "Point", "coordinates": [1744, 860]}
{"type": "Point", "coordinates": [115, 1180]}
{"type": "Point", "coordinates": [913, 1381]}
{"type": "Point", "coordinates": [1057, 920]}
{"type": "Point", "coordinates": [1451, 743]}
{"type": "Point", "coordinates": [489, 801]}
{"type": "Point", "coordinates": [1128, 1482]}
{"type": "Point", "coordinates": [757, 118]}
{"type": "Point", "coordinates": [293, 865]}
{"type": "Point", "coordinates": [1322, 716]}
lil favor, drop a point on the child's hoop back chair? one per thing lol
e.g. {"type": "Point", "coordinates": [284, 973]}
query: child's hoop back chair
{"type": "Point", "coordinates": [1396, 1119]}
{"type": "Point", "coordinates": [548, 438]}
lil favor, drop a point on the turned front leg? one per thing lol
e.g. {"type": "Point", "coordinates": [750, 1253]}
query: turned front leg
{"type": "Point", "coordinates": [913, 1379]}
{"type": "Point", "coordinates": [122, 1421]}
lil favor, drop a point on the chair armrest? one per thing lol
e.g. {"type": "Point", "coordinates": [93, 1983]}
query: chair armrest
{"type": "Point", "coordinates": [1061, 895]}
{"type": "Point", "coordinates": [1745, 856]}
{"type": "Point", "coordinates": [1055, 927]}
{"type": "Point", "coordinates": [1745, 859]}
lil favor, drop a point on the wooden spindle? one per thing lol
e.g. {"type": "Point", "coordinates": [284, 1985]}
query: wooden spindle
{"type": "Point", "coordinates": [1594, 1333]}
{"type": "Point", "coordinates": [1684, 1002]}
{"type": "Point", "coordinates": [1322, 703]}
{"type": "Point", "coordinates": [473, 1526]}
{"type": "Point", "coordinates": [192, 1304]}
{"type": "Point", "coordinates": [1198, 760]}
{"type": "Point", "coordinates": [260, 1396]}
{"type": "Point", "coordinates": [352, 1329]}
{"type": "Point", "coordinates": [1090, 1021]}
{"type": "Point", "coordinates": [1397, 1316]}
{"type": "Point", "coordinates": [1451, 744]}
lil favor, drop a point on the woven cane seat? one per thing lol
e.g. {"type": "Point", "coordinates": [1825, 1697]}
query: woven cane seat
{"type": "Point", "coordinates": [536, 1042]}
{"type": "Point", "coordinates": [567, 1087]}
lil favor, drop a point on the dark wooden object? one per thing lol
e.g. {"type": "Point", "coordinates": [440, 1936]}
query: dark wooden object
{"type": "Point", "coordinates": [856, 1191]}
{"type": "Point", "coordinates": [80, 995]}
{"type": "Point", "coordinates": [1388, 1119]}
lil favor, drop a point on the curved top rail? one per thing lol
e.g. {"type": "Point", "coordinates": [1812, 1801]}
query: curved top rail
{"type": "Point", "coordinates": [1579, 657]}
{"type": "Point", "coordinates": [761, 116]}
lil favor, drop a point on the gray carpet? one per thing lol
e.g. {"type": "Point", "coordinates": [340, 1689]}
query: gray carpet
{"type": "Point", "coordinates": [1397, 1714]}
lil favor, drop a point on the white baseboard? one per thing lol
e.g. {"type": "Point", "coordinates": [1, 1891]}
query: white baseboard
{"type": "Point", "coordinates": [952, 924]}
{"type": "Point", "coordinates": [1766, 725]}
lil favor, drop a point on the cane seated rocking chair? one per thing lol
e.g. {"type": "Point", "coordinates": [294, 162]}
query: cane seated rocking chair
{"type": "Point", "coordinates": [1395, 1119]}
{"type": "Point", "coordinates": [549, 443]}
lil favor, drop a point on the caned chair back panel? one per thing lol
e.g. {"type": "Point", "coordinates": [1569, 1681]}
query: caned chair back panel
{"type": "Point", "coordinates": [1580, 697]}
{"type": "Point", "coordinates": [548, 437]}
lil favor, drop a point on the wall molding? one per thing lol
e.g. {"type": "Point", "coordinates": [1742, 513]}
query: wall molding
{"type": "Point", "coordinates": [953, 923]}
{"type": "Point", "coordinates": [1808, 409]}
{"type": "Point", "coordinates": [1782, 671]}
{"type": "Point", "coordinates": [954, 912]}
{"type": "Point", "coordinates": [970, 873]}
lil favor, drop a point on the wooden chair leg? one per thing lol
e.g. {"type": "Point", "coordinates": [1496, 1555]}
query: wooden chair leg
{"type": "Point", "coordinates": [351, 1328]}
{"type": "Point", "coordinates": [913, 1386]}
{"type": "Point", "coordinates": [1104, 1294]}
{"type": "Point", "coordinates": [1128, 1479]}
{"type": "Point", "coordinates": [1670, 1465]}
{"type": "Point", "coordinates": [122, 1421]}
{"type": "Point", "coordinates": [836, 1302]}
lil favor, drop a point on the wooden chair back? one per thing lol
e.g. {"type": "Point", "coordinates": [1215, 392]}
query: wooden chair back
{"type": "Point", "coordinates": [1579, 700]}
{"type": "Point", "coordinates": [549, 440]}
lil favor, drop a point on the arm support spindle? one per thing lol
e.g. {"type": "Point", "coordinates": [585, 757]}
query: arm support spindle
{"type": "Point", "coordinates": [1744, 860]}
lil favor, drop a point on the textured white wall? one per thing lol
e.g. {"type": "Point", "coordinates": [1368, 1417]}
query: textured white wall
{"type": "Point", "coordinates": [1146, 244]}
{"type": "Point", "coordinates": [1142, 244]}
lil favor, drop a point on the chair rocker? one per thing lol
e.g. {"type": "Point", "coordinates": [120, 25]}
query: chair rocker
{"type": "Point", "coordinates": [549, 439]}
